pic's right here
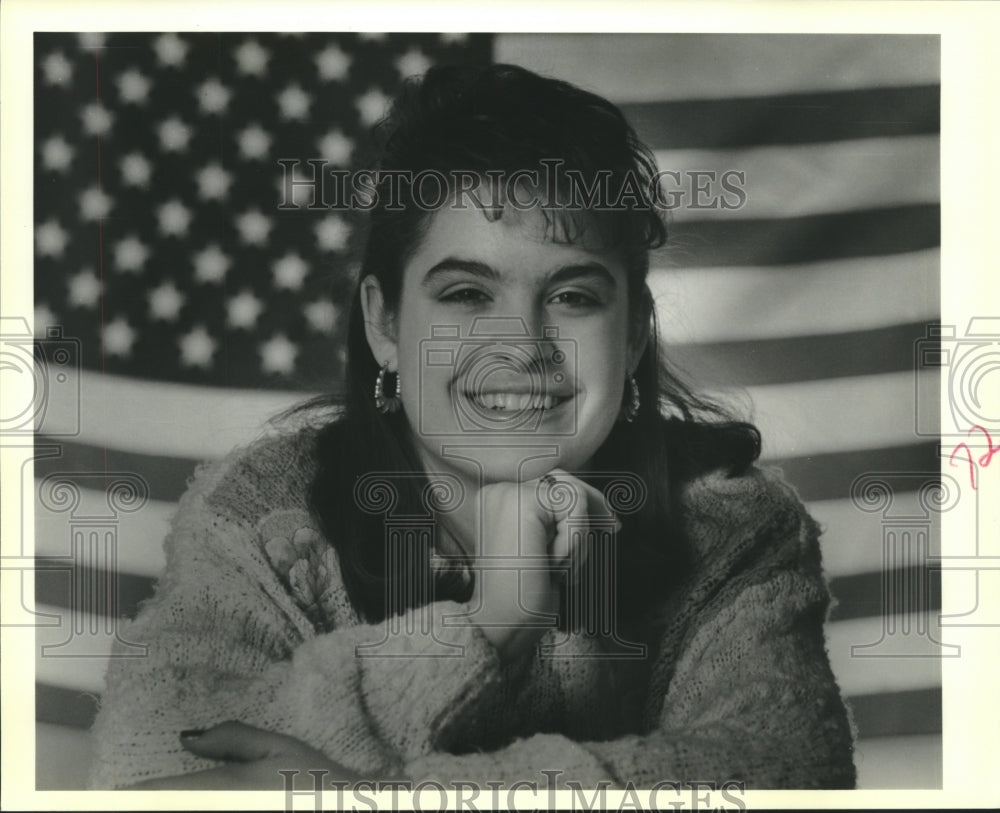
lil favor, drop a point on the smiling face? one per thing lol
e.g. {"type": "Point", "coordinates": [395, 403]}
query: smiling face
{"type": "Point", "coordinates": [513, 350]}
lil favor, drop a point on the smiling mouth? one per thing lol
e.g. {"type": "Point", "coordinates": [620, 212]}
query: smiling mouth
{"type": "Point", "coordinates": [515, 402]}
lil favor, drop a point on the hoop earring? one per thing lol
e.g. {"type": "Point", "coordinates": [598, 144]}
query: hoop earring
{"type": "Point", "coordinates": [392, 403]}
{"type": "Point", "coordinates": [631, 410]}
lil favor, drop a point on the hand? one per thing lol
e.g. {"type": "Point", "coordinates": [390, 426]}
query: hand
{"type": "Point", "coordinates": [528, 521]}
{"type": "Point", "coordinates": [254, 757]}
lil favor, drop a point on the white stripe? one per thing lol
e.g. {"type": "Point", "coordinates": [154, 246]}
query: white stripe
{"type": "Point", "coordinates": [656, 67]}
{"type": "Point", "coordinates": [834, 415]}
{"type": "Point", "coordinates": [899, 762]}
{"type": "Point", "coordinates": [874, 675]}
{"type": "Point", "coordinates": [796, 180]}
{"type": "Point", "coordinates": [84, 659]}
{"type": "Point", "coordinates": [162, 418]}
{"type": "Point", "coordinates": [852, 538]}
{"type": "Point", "coordinates": [696, 305]}
{"type": "Point", "coordinates": [140, 534]}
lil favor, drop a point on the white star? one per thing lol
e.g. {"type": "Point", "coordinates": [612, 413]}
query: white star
{"type": "Point", "coordinates": [254, 142]}
{"type": "Point", "coordinates": [294, 102]}
{"type": "Point", "coordinates": [243, 310]}
{"type": "Point", "coordinates": [118, 338]}
{"type": "Point", "coordinates": [51, 238]}
{"type": "Point", "coordinates": [213, 96]}
{"type": "Point", "coordinates": [413, 63]}
{"type": "Point", "coordinates": [96, 119]}
{"type": "Point", "coordinates": [213, 182]}
{"type": "Point", "coordinates": [84, 289]}
{"type": "Point", "coordinates": [372, 106]}
{"type": "Point", "coordinates": [332, 63]}
{"type": "Point", "coordinates": [278, 355]}
{"type": "Point", "coordinates": [335, 147]}
{"type": "Point", "coordinates": [253, 227]}
{"type": "Point", "coordinates": [332, 233]}
{"type": "Point", "coordinates": [44, 318]}
{"type": "Point", "coordinates": [133, 87]}
{"type": "Point", "coordinates": [211, 265]}
{"type": "Point", "coordinates": [289, 272]}
{"type": "Point", "coordinates": [165, 302]}
{"type": "Point", "coordinates": [251, 58]}
{"type": "Point", "coordinates": [453, 36]}
{"type": "Point", "coordinates": [197, 348]}
{"type": "Point", "coordinates": [174, 218]}
{"type": "Point", "coordinates": [170, 49]}
{"type": "Point", "coordinates": [131, 254]}
{"type": "Point", "coordinates": [57, 69]}
{"type": "Point", "coordinates": [174, 134]}
{"type": "Point", "coordinates": [322, 315]}
{"type": "Point", "coordinates": [94, 204]}
{"type": "Point", "coordinates": [56, 154]}
{"type": "Point", "coordinates": [92, 40]}
{"type": "Point", "coordinates": [136, 169]}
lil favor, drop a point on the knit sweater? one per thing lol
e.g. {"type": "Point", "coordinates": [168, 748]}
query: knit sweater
{"type": "Point", "coordinates": [251, 621]}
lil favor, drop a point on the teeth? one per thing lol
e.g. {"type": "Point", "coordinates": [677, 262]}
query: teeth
{"type": "Point", "coordinates": [515, 401]}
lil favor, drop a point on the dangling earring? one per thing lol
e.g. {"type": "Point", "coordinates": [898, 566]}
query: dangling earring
{"type": "Point", "coordinates": [631, 410]}
{"type": "Point", "coordinates": [393, 403]}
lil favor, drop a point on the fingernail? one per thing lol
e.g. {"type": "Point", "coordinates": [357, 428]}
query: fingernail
{"type": "Point", "coordinates": [192, 733]}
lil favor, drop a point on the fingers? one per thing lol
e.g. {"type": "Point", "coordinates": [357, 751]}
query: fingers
{"type": "Point", "coordinates": [234, 742]}
{"type": "Point", "coordinates": [579, 499]}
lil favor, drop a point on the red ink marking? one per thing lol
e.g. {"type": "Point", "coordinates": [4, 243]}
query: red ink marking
{"type": "Point", "coordinates": [984, 459]}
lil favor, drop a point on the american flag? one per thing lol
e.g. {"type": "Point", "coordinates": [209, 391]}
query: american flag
{"type": "Point", "coordinates": [201, 307]}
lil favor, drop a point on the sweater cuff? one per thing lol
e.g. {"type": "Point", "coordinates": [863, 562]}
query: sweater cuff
{"type": "Point", "coordinates": [544, 758]}
{"type": "Point", "coordinates": [423, 678]}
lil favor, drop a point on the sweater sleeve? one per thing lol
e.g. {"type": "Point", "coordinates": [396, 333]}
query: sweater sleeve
{"type": "Point", "coordinates": [741, 689]}
{"type": "Point", "coordinates": [227, 640]}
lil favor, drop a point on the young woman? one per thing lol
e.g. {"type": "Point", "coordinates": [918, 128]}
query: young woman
{"type": "Point", "coordinates": [518, 543]}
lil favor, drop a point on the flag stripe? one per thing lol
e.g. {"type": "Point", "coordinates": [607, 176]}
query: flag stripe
{"type": "Point", "coordinates": [852, 538]}
{"type": "Point", "coordinates": [861, 596]}
{"type": "Point", "coordinates": [783, 360]}
{"type": "Point", "coordinates": [708, 305]}
{"type": "Point", "coordinates": [829, 476]}
{"type": "Point", "coordinates": [795, 118]}
{"type": "Point", "coordinates": [780, 181]}
{"type": "Point", "coordinates": [810, 238]}
{"type": "Point", "coordinates": [682, 66]}
{"type": "Point", "coordinates": [912, 670]}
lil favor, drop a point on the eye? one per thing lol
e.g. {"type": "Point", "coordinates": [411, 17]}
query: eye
{"type": "Point", "coordinates": [465, 296]}
{"type": "Point", "coordinates": [575, 299]}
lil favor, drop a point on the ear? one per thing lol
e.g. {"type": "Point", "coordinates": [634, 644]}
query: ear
{"type": "Point", "coordinates": [380, 328]}
{"type": "Point", "coordinates": [639, 329]}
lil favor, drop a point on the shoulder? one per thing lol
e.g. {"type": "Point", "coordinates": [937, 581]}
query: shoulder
{"type": "Point", "coordinates": [756, 515]}
{"type": "Point", "coordinates": [274, 472]}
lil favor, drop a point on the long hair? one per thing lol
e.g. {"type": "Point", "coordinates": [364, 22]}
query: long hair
{"type": "Point", "coordinates": [501, 119]}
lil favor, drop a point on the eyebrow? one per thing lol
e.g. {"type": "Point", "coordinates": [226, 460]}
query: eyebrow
{"type": "Point", "coordinates": [565, 273]}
